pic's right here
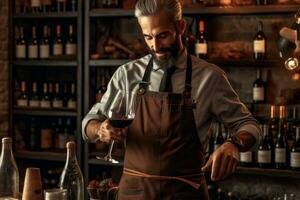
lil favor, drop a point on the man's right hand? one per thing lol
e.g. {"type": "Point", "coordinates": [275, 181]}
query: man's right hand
{"type": "Point", "coordinates": [106, 132]}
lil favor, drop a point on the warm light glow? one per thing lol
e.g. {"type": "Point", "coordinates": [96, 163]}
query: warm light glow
{"type": "Point", "coordinates": [296, 76]}
{"type": "Point", "coordinates": [291, 64]}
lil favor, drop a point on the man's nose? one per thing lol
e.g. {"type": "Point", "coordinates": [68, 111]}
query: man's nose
{"type": "Point", "coordinates": [156, 45]}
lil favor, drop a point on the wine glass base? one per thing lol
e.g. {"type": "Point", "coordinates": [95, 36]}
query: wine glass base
{"type": "Point", "coordinates": [107, 159]}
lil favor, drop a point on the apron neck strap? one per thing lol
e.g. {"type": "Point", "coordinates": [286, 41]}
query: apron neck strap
{"type": "Point", "coordinates": [143, 86]}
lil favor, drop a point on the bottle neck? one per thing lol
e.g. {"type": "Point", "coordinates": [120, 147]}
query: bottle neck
{"type": "Point", "coordinates": [71, 156]}
{"type": "Point", "coordinates": [6, 152]}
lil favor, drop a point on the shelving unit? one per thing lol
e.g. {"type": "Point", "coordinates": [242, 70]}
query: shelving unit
{"type": "Point", "coordinates": [94, 14]}
{"type": "Point", "coordinates": [59, 67]}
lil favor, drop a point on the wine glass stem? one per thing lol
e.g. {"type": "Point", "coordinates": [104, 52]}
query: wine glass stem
{"type": "Point", "coordinates": [111, 146]}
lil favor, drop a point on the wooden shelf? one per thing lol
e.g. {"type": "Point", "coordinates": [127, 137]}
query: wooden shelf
{"type": "Point", "coordinates": [43, 112]}
{"type": "Point", "coordinates": [45, 63]}
{"type": "Point", "coordinates": [46, 15]}
{"type": "Point", "coordinates": [219, 62]}
{"type": "Point", "coordinates": [202, 10]}
{"type": "Point", "coordinates": [269, 172]}
{"type": "Point", "coordinates": [41, 155]}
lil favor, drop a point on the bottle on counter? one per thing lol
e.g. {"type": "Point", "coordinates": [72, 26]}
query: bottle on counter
{"type": "Point", "coordinates": [265, 149]}
{"type": "Point", "coordinates": [71, 177]}
{"type": "Point", "coordinates": [201, 43]}
{"type": "Point", "coordinates": [258, 88]}
{"type": "Point", "coordinates": [259, 43]}
{"type": "Point", "coordinates": [295, 152]}
{"type": "Point", "coordinates": [9, 173]}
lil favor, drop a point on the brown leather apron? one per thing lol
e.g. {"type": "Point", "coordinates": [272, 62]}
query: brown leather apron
{"type": "Point", "coordinates": [164, 156]}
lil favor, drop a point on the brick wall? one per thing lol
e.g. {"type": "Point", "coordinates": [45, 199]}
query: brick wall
{"type": "Point", "coordinates": [3, 67]}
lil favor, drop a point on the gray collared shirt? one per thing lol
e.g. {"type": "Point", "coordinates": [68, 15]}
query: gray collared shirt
{"type": "Point", "coordinates": [215, 98]}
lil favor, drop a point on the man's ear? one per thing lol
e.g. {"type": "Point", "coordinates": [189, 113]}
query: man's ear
{"type": "Point", "coordinates": [182, 26]}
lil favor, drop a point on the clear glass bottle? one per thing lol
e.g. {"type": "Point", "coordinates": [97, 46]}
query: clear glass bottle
{"type": "Point", "coordinates": [9, 173]}
{"type": "Point", "coordinates": [71, 177]}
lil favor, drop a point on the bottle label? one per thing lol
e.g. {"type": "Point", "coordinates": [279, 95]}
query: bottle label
{"type": "Point", "coordinates": [258, 94]}
{"type": "Point", "coordinates": [259, 46]}
{"type": "Point", "coordinates": [246, 157]}
{"type": "Point", "coordinates": [264, 156]}
{"type": "Point", "coordinates": [34, 103]}
{"type": "Point", "coordinates": [35, 3]}
{"type": "Point", "coordinates": [280, 155]}
{"type": "Point", "coordinates": [21, 51]}
{"type": "Point", "coordinates": [46, 138]}
{"type": "Point", "coordinates": [57, 49]}
{"type": "Point", "coordinates": [295, 159]}
{"type": "Point", "coordinates": [71, 49]}
{"type": "Point", "coordinates": [32, 51]}
{"type": "Point", "coordinates": [44, 51]}
{"type": "Point", "coordinates": [201, 48]}
{"type": "Point", "coordinates": [72, 104]}
{"type": "Point", "coordinates": [45, 104]}
{"type": "Point", "coordinates": [22, 102]}
{"type": "Point", "coordinates": [57, 103]}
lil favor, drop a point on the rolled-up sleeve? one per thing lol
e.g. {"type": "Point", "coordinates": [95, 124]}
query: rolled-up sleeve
{"type": "Point", "coordinates": [96, 112]}
{"type": "Point", "coordinates": [228, 108]}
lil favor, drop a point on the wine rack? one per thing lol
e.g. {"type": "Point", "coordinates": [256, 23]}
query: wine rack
{"type": "Point", "coordinates": [64, 69]}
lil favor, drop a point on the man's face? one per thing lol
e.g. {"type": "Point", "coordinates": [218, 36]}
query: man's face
{"type": "Point", "coordinates": [161, 37]}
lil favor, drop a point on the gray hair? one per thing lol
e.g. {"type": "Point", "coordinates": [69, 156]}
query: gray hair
{"type": "Point", "coordinates": [153, 7]}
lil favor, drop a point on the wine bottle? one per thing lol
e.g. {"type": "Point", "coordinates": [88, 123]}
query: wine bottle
{"type": "Point", "coordinates": [264, 152]}
{"type": "Point", "coordinates": [46, 136]}
{"type": "Point", "coordinates": [57, 101]}
{"type": "Point", "coordinates": [21, 45]}
{"type": "Point", "coordinates": [44, 44]}
{"type": "Point", "coordinates": [36, 6]}
{"type": "Point", "coordinates": [219, 139]}
{"type": "Point", "coordinates": [281, 146]}
{"type": "Point", "coordinates": [295, 152]}
{"type": "Point", "coordinates": [57, 44]}
{"type": "Point", "coordinates": [45, 99]}
{"type": "Point", "coordinates": [71, 45]}
{"type": "Point", "coordinates": [290, 134]}
{"type": "Point", "coordinates": [46, 4]}
{"type": "Point", "coordinates": [33, 45]}
{"type": "Point", "coordinates": [72, 101]}
{"type": "Point", "coordinates": [9, 173]}
{"type": "Point", "coordinates": [34, 100]}
{"type": "Point", "coordinates": [33, 135]}
{"type": "Point", "coordinates": [259, 43]}
{"type": "Point", "coordinates": [258, 88]}
{"type": "Point", "coordinates": [61, 5]}
{"type": "Point", "coordinates": [201, 43]}
{"type": "Point", "coordinates": [273, 123]}
{"type": "Point", "coordinates": [23, 98]}
{"type": "Point", "coordinates": [73, 5]}
{"type": "Point", "coordinates": [62, 138]}
{"type": "Point", "coordinates": [71, 178]}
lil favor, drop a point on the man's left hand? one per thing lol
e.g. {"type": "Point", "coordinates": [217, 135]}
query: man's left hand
{"type": "Point", "coordinates": [222, 162]}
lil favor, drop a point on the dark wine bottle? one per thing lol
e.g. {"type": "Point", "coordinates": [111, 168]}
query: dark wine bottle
{"type": "Point", "coordinates": [34, 100]}
{"type": "Point", "coordinates": [45, 100]}
{"type": "Point", "coordinates": [60, 5]}
{"type": "Point", "coordinates": [71, 45]}
{"type": "Point", "coordinates": [281, 146]}
{"type": "Point", "coordinates": [290, 134]}
{"type": "Point", "coordinates": [33, 45]}
{"type": "Point", "coordinates": [44, 44]}
{"type": "Point", "coordinates": [36, 6]}
{"type": "Point", "coordinates": [273, 123]}
{"type": "Point", "coordinates": [259, 43]}
{"type": "Point", "coordinates": [57, 101]}
{"type": "Point", "coordinates": [264, 152]}
{"type": "Point", "coordinates": [201, 43]}
{"type": "Point", "coordinates": [258, 88]}
{"type": "Point", "coordinates": [46, 5]}
{"type": "Point", "coordinates": [57, 44]}
{"type": "Point", "coordinates": [21, 45]}
{"type": "Point", "coordinates": [23, 98]}
{"type": "Point", "coordinates": [295, 152]}
{"type": "Point", "coordinates": [72, 100]}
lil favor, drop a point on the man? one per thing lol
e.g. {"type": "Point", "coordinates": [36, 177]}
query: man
{"type": "Point", "coordinates": [165, 143]}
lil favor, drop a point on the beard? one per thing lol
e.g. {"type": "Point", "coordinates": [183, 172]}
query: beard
{"type": "Point", "coordinates": [173, 51]}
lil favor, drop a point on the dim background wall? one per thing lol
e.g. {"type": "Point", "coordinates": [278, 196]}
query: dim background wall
{"type": "Point", "coordinates": [3, 67]}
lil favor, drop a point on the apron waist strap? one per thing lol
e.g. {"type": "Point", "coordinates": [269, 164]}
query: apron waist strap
{"type": "Point", "coordinates": [158, 177]}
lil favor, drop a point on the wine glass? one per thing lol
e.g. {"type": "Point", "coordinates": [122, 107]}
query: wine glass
{"type": "Point", "coordinates": [120, 112]}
